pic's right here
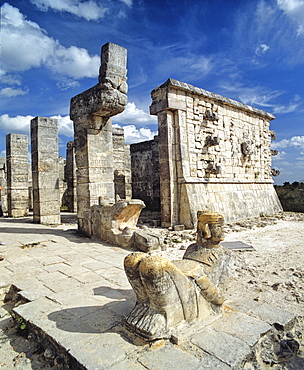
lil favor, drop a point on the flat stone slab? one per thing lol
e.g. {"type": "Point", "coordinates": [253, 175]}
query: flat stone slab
{"type": "Point", "coordinates": [272, 315]}
{"type": "Point", "coordinates": [237, 246]}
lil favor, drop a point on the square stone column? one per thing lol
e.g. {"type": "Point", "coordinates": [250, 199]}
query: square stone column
{"type": "Point", "coordinates": [91, 112]}
{"type": "Point", "coordinates": [17, 175]}
{"type": "Point", "coordinates": [45, 170]}
{"type": "Point", "coordinates": [70, 173]}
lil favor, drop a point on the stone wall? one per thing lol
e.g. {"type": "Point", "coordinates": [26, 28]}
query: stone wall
{"type": "Point", "coordinates": [122, 165]}
{"type": "Point", "coordinates": [17, 174]}
{"type": "Point", "coordinates": [145, 173]}
{"type": "Point", "coordinates": [214, 153]}
{"type": "Point", "coordinates": [45, 170]}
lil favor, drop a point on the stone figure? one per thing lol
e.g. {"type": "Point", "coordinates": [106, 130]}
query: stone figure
{"type": "Point", "coordinates": [116, 224]}
{"type": "Point", "coordinates": [169, 293]}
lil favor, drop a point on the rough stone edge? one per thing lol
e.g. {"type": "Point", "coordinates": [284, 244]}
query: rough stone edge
{"type": "Point", "coordinates": [187, 87]}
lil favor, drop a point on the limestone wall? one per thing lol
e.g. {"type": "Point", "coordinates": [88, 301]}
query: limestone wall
{"type": "Point", "coordinates": [145, 173]}
{"type": "Point", "coordinates": [122, 165]}
{"type": "Point", "coordinates": [214, 154]}
{"type": "Point", "coordinates": [17, 174]}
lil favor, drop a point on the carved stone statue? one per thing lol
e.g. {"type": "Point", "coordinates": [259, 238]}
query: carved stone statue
{"type": "Point", "coordinates": [170, 293]}
{"type": "Point", "coordinates": [116, 223]}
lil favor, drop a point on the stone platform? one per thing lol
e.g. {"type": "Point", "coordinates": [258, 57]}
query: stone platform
{"type": "Point", "coordinates": [76, 296]}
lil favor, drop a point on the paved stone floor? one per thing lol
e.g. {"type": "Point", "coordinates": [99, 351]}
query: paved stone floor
{"type": "Point", "coordinates": [78, 295]}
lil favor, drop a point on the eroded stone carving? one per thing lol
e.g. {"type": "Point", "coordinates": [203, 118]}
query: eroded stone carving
{"type": "Point", "coordinates": [210, 116]}
{"type": "Point", "coordinates": [170, 293]}
{"type": "Point", "coordinates": [212, 168]}
{"type": "Point", "coordinates": [212, 140]}
{"type": "Point", "coordinates": [274, 152]}
{"type": "Point", "coordinates": [246, 147]}
{"type": "Point", "coordinates": [275, 172]}
{"type": "Point", "coordinates": [273, 135]}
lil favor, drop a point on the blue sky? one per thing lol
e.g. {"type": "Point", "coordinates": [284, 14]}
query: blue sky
{"type": "Point", "coordinates": [248, 50]}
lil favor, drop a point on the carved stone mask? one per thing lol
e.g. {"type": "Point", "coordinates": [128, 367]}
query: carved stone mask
{"type": "Point", "coordinates": [209, 228]}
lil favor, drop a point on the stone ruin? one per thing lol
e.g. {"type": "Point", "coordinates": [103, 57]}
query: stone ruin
{"type": "Point", "coordinates": [173, 293]}
{"type": "Point", "coordinates": [214, 153]}
{"type": "Point", "coordinates": [98, 213]}
{"type": "Point", "coordinates": [17, 175]}
{"type": "Point", "coordinates": [210, 153]}
{"type": "Point", "coordinates": [45, 170]}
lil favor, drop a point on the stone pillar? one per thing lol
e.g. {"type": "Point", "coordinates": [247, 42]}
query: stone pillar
{"type": "Point", "coordinates": [17, 175]}
{"type": "Point", "coordinates": [71, 177]}
{"type": "Point", "coordinates": [168, 170]}
{"type": "Point", "coordinates": [122, 165]}
{"type": "Point", "coordinates": [62, 180]}
{"type": "Point", "coordinates": [128, 172]}
{"type": "Point", "coordinates": [45, 170]}
{"type": "Point", "coordinates": [91, 112]}
{"type": "Point", "coordinates": [3, 194]}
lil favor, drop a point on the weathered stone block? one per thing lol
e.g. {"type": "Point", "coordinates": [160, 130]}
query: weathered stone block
{"type": "Point", "coordinates": [45, 170]}
{"type": "Point", "coordinates": [17, 174]}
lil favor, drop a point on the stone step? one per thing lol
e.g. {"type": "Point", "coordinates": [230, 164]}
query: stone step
{"type": "Point", "coordinates": [93, 337]}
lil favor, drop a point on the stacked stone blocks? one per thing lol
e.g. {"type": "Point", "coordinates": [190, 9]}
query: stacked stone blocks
{"type": "Point", "coordinates": [214, 154]}
{"type": "Point", "coordinates": [45, 170]}
{"type": "Point", "coordinates": [17, 174]}
{"type": "Point", "coordinates": [145, 173]}
{"type": "Point", "coordinates": [91, 113]}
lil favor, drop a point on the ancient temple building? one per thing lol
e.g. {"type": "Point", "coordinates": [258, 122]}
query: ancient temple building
{"type": "Point", "coordinates": [214, 153]}
{"type": "Point", "coordinates": [17, 175]}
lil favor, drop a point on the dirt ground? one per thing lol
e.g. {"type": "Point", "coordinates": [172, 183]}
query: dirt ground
{"type": "Point", "coordinates": [272, 273]}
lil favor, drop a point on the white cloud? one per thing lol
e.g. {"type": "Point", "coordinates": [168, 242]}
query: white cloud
{"type": "Point", "coordinates": [295, 141]}
{"type": "Point", "coordinates": [127, 2]}
{"type": "Point", "coordinates": [11, 80]}
{"type": "Point", "coordinates": [9, 92]}
{"type": "Point", "coordinates": [134, 135]}
{"type": "Point", "coordinates": [65, 126]}
{"type": "Point", "coordinates": [133, 115]}
{"type": "Point", "coordinates": [295, 10]}
{"type": "Point", "coordinates": [66, 83]}
{"type": "Point", "coordinates": [25, 45]}
{"type": "Point", "coordinates": [260, 96]}
{"type": "Point", "coordinates": [192, 67]}
{"type": "Point", "coordinates": [261, 49]}
{"type": "Point", "coordinates": [21, 124]}
{"type": "Point", "coordinates": [88, 10]}
{"type": "Point", "coordinates": [252, 95]}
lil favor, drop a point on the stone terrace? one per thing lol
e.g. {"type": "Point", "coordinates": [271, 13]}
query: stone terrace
{"type": "Point", "coordinates": [77, 296]}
